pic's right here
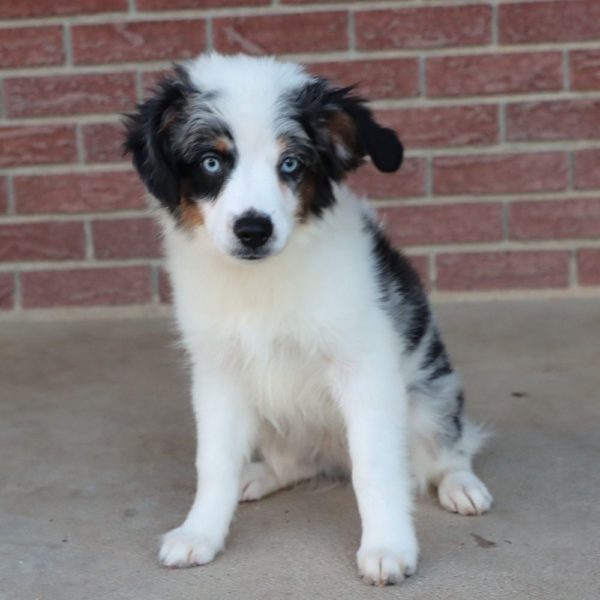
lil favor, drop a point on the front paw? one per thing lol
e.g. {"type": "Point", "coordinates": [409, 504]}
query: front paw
{"type": "Point", "coordinates": [186, 547]}
{"type": "Point", "coordinates": [380, 565]}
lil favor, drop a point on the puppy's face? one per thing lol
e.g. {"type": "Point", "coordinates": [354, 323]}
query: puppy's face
{"type": "Point", "coordinates": [249, 149]}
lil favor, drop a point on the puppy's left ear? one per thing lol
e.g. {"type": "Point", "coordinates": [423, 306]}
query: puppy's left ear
{"type": "Point", "coordinates": [380, 143]}
{"type": "Point", "coordinates": [342, 126]}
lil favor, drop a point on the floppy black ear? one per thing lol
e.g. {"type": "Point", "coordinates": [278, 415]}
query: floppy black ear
{"type": "Point", "coordinates": [148, 139]}
{"type": "Point", "coordinates": [340, 123]}
{"type": "Point", "coordinates": [380, 143]}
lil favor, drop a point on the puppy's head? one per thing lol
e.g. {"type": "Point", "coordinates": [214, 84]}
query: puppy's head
{"type": "Point", "coordinates": [249, 149]}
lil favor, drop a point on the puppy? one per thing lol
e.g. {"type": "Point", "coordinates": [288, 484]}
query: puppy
{"type": "Point", "coordinates": [312, 345]}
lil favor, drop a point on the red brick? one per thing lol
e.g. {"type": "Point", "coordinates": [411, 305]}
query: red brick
{"type": "Point", "coordinates": [53, 8]}
{"type": "Point", "coordinates": [165, 292]}
{"type": "Point", "coordinates": [494, 74]}
{"type": "Point", "coordinates": [42, 144]}
{"type": "Point", "coordinates": [502, 270]}
{"type": "Point", "coordinates": [303, 32]}
{"type": "Point", "coordinates": [556, 219]}
{"type": "Point", "coordinates": [7, 291]}
{"type": "Point", "coordinates": [553, 21]}
{"type": "Point", "coordinates": [444, 125]}
{"type": "Point", "coordinates": [587, 169]}
{"type": "Point", "coordinates": [444, 224]}
{"type": "Point", "coordinates": [69, 94]}
{"type": "Point", "coordinates": [423, 27]}
{"type": "Point", "coordinates": [319, 1]}
{"type": "Point", "coordinates": [31, 46]}
{"type": "Point", "coordinates": [559, 120]}
{"type": "Point", "coordinates": [421, 266]}
{"type": "Point", "coordinates": [126, 238]}
{"type": "Point", "coordinates": [179, 4]}
{"type": "Point", "coordinates": [137, 41]}
{"type": "Point", "coordinates": [3, 194]}
{"type": "Point", "coordinates": [588, 266]}
{"type": "Point", "coordinates": [500, 173]}
{"type": "Point", "coordinates": [103, 142]}
{"type": "Point", "coordinates": [151, 78]}
{"type": "Point", "coordinates": [409, 181]}
{"type": "Point", "coordinates": [585, 69]}
{"type": "Point", "coordinates": [384, 78]}
{"type": "Point", "coordinates": [87, 287]}
{"type": "Point", "coordinates": [78, 192]}
{"type": "Point", "coordinates": [41, 241]}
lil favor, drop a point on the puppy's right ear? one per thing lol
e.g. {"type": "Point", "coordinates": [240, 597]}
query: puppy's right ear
{"type": "Point", "coordinates": [148, 138]}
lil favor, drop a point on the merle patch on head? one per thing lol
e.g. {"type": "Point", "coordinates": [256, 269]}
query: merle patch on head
{"type": "Point", "coordinates": [337, 131]}
{"type": "Point", "coordinates": [168, 137]}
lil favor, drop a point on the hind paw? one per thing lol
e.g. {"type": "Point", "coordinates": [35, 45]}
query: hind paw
{"type": "Point", "coordinates": [464, 493]}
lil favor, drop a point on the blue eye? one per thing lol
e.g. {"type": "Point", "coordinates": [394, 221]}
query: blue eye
{"type": "Point", "coordinates": [211, 164]}
{"type": "Point", "coordinates": [289, 165]}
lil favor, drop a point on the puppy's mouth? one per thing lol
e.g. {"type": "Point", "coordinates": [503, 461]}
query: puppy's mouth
{"type": "Point", "coordinates": [251, 254]}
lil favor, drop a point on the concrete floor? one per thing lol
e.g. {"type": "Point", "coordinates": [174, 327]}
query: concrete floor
{"type": "Point", "coordinates": [96, 447]}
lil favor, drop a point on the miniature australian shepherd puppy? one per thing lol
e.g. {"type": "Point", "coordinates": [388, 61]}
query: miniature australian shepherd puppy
{"type": "Point", "coordinates": [312, 345]}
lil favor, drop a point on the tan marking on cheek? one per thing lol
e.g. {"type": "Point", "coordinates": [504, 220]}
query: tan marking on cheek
{"type": "Point", "coordinates": [306, 195]}
{"type": "Point", "coordinates": [190, 214]}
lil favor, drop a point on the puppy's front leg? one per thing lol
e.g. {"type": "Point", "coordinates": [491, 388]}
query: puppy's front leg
{"type": "Point", "coordinates": [373, 401]}
{"type": "Point", "coordinates": [224, 427]}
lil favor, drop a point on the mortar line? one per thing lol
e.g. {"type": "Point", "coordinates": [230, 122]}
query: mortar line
{"type": "Point", "coordinates": [566, 70]}
{"type": "Point", "coordinates": [209, 33]}
{"type": "Point", "coordinates": [89, 240]}
{"type": "Point", "coordinates": [570, 170]}
{"type": "Point", "coordinates": [67, 45]}
{"type": "Point", "coordinates": [79, 145]}
{"type": "Point", "coordinates": [573, 270]}
{"type": "Point", "coordinates": [18, 291]}
{"type": "Point", "coordinates": [351, 32]}
{"type": "Point", "coordinates": [139, 86]}
{"type": "Point", "coordinates": [495, 24]}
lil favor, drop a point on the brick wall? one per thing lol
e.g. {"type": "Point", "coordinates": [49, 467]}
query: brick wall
{"type": "Point", "coordinates": [497, 101]}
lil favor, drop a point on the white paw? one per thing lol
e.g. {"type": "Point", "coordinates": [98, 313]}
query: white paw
{"type": "Point", "coordinates": [257, 480]}
{"type": "Point", "coordinates": [183, 547]}
{"type": "Point", "coordinates": [388, 566]}
{"type": "Point", "coordinates": [464, 493]}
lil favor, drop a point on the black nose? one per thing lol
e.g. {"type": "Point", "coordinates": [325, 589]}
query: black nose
{"type": "Point", "coordinates": [253, 230]}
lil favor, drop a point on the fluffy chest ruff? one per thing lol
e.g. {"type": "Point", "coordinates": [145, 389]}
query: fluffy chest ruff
{"type": "Point", "coordinates": [286, 327]}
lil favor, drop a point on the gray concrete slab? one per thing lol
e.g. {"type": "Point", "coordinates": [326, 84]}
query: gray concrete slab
{"type": "Point", "coordinates": [96, 451]}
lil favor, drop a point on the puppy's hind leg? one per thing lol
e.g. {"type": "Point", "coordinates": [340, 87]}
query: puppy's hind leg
{"type": "Point", "coordinates": [280, 468]}
{"type": "Point", "coordinates": [443, 444]}
{"type": "Point", "coordinates": [259, 479]}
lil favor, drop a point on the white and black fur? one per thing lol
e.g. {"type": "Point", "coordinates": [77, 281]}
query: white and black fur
{"type": "Point", "coordinates": [312, 345]}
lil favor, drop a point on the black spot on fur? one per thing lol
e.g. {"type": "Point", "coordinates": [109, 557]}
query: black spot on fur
{"type": "Point", "coordinates": [436, 361]}
{"type": "Point", "coordinates": [457, 416]}
{"type": "Point", "coordinates": [401, 289]}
